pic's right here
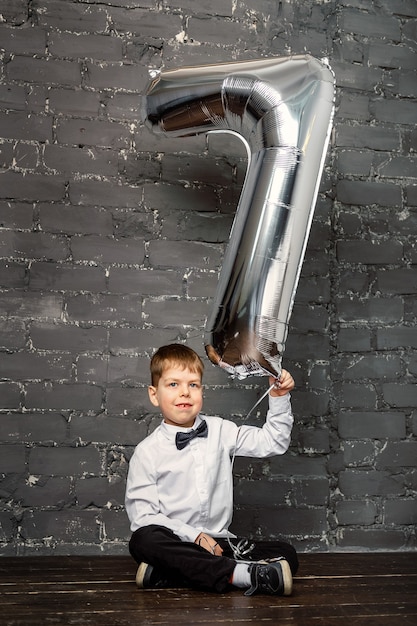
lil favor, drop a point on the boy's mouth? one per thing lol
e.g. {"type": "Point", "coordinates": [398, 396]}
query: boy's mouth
{"type": "Point", "coordinates": [184, 405]}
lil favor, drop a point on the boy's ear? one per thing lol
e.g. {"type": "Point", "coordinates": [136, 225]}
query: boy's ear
{"type": "Point", "coordinates": [152, 395]}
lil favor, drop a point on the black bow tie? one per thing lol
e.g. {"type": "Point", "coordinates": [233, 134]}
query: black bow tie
{"type": "Point", "coordinates": [183, 439]}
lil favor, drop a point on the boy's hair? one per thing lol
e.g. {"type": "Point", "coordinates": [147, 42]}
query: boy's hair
{"type": "Point", "coordinates": [174, 354]}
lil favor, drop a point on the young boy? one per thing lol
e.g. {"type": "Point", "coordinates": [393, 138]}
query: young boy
{"type": "Point", "coordinates": [179, 492]}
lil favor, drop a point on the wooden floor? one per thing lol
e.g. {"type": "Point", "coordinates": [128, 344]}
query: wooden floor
{"type": "Point", "coordinates": [329, 589]}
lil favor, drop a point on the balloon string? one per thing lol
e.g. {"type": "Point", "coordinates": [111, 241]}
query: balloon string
{"type": "Point", "coordinates": [244, 547]}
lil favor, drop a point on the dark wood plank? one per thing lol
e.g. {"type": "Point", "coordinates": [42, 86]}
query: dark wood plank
{"type": "Point", "coordinates": [332, 589]}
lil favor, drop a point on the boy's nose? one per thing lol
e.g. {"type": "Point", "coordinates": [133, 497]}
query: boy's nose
{"type": "Point", "coordinates": [185, 391]}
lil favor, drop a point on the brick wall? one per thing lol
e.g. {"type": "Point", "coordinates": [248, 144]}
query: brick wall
{"type": "Point", "coordinates": [111, 240]}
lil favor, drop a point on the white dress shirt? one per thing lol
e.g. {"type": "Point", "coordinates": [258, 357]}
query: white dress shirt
{"type": "Point", "coordinates": [191, 491]}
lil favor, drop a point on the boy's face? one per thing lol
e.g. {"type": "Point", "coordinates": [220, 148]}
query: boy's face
{"type": "Point", "coordinates": [179, 395]}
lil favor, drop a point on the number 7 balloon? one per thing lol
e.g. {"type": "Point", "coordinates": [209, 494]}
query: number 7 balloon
{"type": "Point", "coordinates": [282, 109]}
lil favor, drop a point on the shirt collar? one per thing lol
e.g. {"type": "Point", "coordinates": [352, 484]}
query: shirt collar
{"type": "Point", "coordinates": [169, 431]}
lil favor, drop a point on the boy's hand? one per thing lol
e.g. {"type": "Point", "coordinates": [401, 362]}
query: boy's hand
{"type": "Point", "coordinates": [283, 385]}
{"type": "Point", "coordinates": [209, 544]}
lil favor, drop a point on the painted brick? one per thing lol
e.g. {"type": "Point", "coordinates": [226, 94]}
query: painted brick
{"type": "Point", "coordinates": [402, 111]}
{"type": "Point", "coordinates": [108, 250]}
{"type": "Point", "coordinates": [212, 7]}
{"type": "Point", "coordinates": [354, 339]}
{"type": "Point", "coordinates": [24, 40]}
{"type": "Point", "coordinates": [85, 161]}
{"type": "Point", "coordinates": [44, 71]}
{"type": "Point", "coordinates": [13, 274]}
{"type": "Point", "coordinates": [370, 25]}
{"type": "Point", "coordinates": [93, 491]}
{"type": "Point", "coordinates": [145, 282]}
{"type": "Point", "coordinates": [70, 220]}
{"type": "Point", "coordinates": [150, 24]}
{"type": "Point", "coordinates": [62, 525]}
{"type": "Point", "coordinates": [62, 277]}
{"type": "Point", "coordinates": [308, 346]}
{"type": "Point", "coordinates": [12, 97]}
{"type": "Point", "coordinates": [353, 396]}
{"type": "Point", "coordinates": [370, 366]}
{"type": "Point", "coordinates": [374, 311]}
{"type": "Point", "coordinates": [104, 308]}
{"type": "Point", "coordinates": [70, 16]}
{"type": "Point", "coordinates": [46, 306]}
{"type": "Point", "coordinates": [175, 313]}
{"type": "Point", "coordinates": [388, 338]}
{"type": "Point", "coordinates": [276, 522]}
{"type": "Point", "coordinates": [115, 525]}
{"type": "Point", "coordinates": [34, 246]}
{"type": "Point", "coordinates": [266, 494]}
{"type": "Point", "coordinates": [363, 193]}
{"type": "Point", "coordinates": [314, 441]}
{"type": "Point", "coordinates": [29, 366]}
{"type": "Point", "coordinates": [370, 539]}
{"type": "Point", "coordinates": [386, 55]}
{"type": "Point", "coordinates": [216, 31]}
{"type": "Point", "coordinates": [357, 76]}
{"type": "Point", "coordinates": [34, 427]}
{"type": "Point", "coordinates": [7, 527]}
{"type": "Point", "coordinates": [41, 492]}
{"type": "Point", "coordinates": [103, 194]}
{"type": "Point", "coordinates": [372, 137]}
{"type": "Point", "coordinates": [397, 454]}
{"type": "Point", "coordinates": [355, 483]}
{"type": "Point", "coordinates": [400, 511]}
{"type": "Point", "coordinates": [201, 285]}
{"type": "Point", "coordinates": [400, 394]}
{"type": "Point", "coordinates": [73, 102]}
{"type": "Point", "coordinates": [128, 401]}
{"type": "Point", "coordinates": [136, 340]}
{"type": "Point", "coordinates": [68, 45]}
{"type": "Point", "coordinates": [16, 215]}
{"type": "Point", "coordinates": [104, 429]}
{"type": "Point", "coordinates": [12, 334]}
{"type": "Point", "coordinates": [32, 187]}
{"type": "Point", "coordinates": [118, 76]}
{"type": "Point", "coordinates": [12, 459]}
{"type": "Point", "coordinates": [375, 425]}
{"type": "Point", "coordinates": [312, 492]}
{"type": "Point", "coordinates": [21, 125]}
{"type": "Point", "coordinates": [92, 133]}
{"type": "Point", "coordinates": [354, 162]}
{"type": "Point", "coordinates": [64, 461]}
{"type": "Point", "coordinates": [354, 106]}
{"type": "Point", "coordinates": [58, 396]}
{"type": "Point", "coordinates": [359, 453]}
{"type": "Point", "coordinates": [167, 196]}
{"type": "Point", "coordinates": [403, 280]}
{"type": "Point", "coordinates": [356, 513]}
{"type": "Point", "coordinates": [175, 254]}
{"type": "Point", "coordinates": [208, 227]}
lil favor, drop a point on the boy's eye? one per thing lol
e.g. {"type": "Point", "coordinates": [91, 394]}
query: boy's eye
{"type": "Point", "coordinates": [172, 384]}
{"type": "Point", "coordinates": [196, 385]}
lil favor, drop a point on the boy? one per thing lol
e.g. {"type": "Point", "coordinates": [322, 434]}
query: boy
{"type": "Point", "coordinates": [179, 487]}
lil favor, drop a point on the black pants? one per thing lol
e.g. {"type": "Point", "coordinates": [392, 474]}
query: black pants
{"type": "Point", "coordinates": [193, 565]}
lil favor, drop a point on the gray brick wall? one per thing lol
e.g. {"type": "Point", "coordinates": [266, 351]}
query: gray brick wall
{"type": "Point", "coordinates": [111, 240]}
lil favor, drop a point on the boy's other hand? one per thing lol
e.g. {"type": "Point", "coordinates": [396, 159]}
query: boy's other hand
{"type": "Point", "coordinates": [209, 544]}
{"type": "Point", "coordinates": [282, 385]}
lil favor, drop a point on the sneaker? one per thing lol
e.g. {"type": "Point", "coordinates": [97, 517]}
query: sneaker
{"type": "Point", "coordinates": [272, 577]}
{"type": "Point", "coordinates": [148, 578]}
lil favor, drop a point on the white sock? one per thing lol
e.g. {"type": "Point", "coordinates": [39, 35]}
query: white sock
{"type": "Point", "coordinates": [241, 576]}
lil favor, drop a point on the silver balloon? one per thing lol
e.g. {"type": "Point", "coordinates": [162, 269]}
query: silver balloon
{"type": "Point", "coordinates": [282, 109]}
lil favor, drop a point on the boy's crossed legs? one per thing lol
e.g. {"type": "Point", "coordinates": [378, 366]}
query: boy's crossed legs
{"type": "Point", "coordinates": [166, 561]}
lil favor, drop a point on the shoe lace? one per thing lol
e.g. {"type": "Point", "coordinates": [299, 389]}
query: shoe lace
{"type": "Point", "coordinates": [241, 549]}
